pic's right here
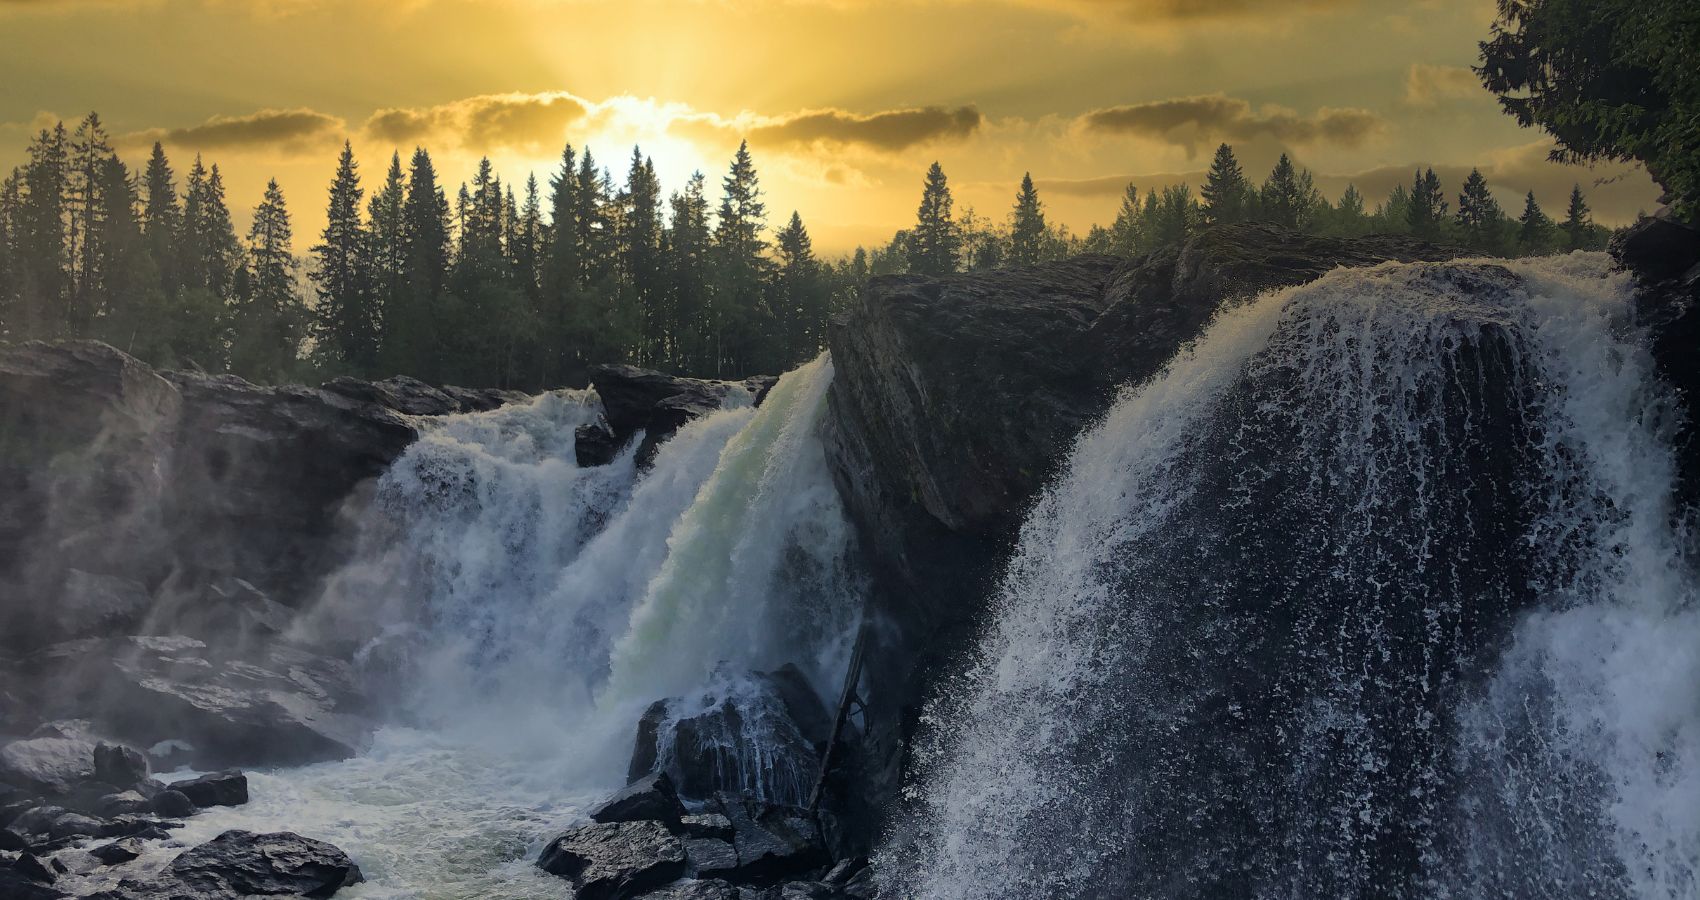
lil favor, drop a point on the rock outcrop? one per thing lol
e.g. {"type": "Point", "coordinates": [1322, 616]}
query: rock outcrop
{"type": "Point", "coordinates": [956, 397]}
{"type": "Point", "coordinates": [1664, 257]}
{"type": "Point", "coordinates": [242, 864]}
{"type": "Point", "coordinates": [654, 403]}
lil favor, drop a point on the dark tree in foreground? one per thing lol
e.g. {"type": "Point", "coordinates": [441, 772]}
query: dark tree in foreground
{"type": "Point", "coordinates": [935, 244]}
{"type": "Point", "coordinates": [1027, 225]}
{"type": "Point", "coordinates": [1225, 189]}
{"type": "Point", "coordinates": [1608, 79]}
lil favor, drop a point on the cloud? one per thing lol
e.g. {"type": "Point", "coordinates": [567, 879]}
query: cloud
{"type": "Point", "coordinates": [284, 129]}
{"type": "Point", "coordinates": [519, 121]}
{"type": "Point", "coordinates": [1192, 122]}
{"type": "Point", "coordinates": [1184, 10]}
{"type": "Point", "coordinates": [1429, 85]}
{"type": "Point", "coordinates": [892, 130]}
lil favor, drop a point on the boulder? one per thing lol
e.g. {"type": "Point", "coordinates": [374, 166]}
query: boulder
{"type": "Point", "coordinates": [75, 824]}
{"type": "Point", "coordinates": [275, 704]}
{"type": "Point", "coordinates": [12, 842]}
{"type": "Point", "coordinates": [657, 404]}
{"type": "Point", "coordinates": [651, 798]}
{"type": "Point", "coordinates": [752, 731]}
{"type": "Point", "coordinates": [403, 394]}
{"type": "Point", "coordinates": [118, 765]}
{"type": "Point", "coordinates": [773, 842]}
{"type": "Point", "coordinates": [34, 868]}
{"type": "Point", "coordinates": [51, 765]}
{"type": "Point", "coordinates": [241, 863]}
{"type": "Point", "coordinates": [706, 825]}
{"type": "Point", "coordinates": [173, 804]}
{"type": "Point", "coordinates": [711, 857]}
{"type": "Point", "coordinates": [955, 398]}
{"type": "Point", "coordinates": [37, 820]}
{"type": "Point", "coordinates": [123, 803]}
{"type": "Point", "coordinates": [615, 861]}
{"type": "Point", "coordinates": [120, 851]}
{"type": "Point", "coordinates": [15, 885]}
{"type": "Point", "coordinates": [710, 889]}
{"type": "Point", "coordinates": [227, 788]}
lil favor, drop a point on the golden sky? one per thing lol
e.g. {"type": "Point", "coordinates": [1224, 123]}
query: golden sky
{"type": "Point", "coordinates": [844, 102]}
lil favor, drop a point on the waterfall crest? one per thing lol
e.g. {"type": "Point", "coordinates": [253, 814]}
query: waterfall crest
{"type": "Point", "coordinates": [1360, 596]}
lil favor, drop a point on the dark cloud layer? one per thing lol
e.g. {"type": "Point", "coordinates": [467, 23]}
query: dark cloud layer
{"type": "Point", "coordinates": [1192, 122]}
{"type": "Point", "coordinates": [286, 129]}
{"type": "Point", "coordinates": [890, 130]}
{"type": "Point", "coordinates": [526, 121]}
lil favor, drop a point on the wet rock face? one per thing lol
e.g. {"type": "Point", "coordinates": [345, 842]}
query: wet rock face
{"type": "Point", "coordinates": [955, 398]}
{"type": "Point", "coordinates": [1664, 257]}
{"type": "Point", "coordinates": [655, 403]}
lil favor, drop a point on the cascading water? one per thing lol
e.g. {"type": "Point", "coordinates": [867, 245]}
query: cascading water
{"type": "Point", "coordinates": [1374, 591]}
{"type": "Point", "coordinates": [529, 609]}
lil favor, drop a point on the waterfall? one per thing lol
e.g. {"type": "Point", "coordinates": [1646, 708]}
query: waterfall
{"type": "Point", "coordinates": [1374, 591]}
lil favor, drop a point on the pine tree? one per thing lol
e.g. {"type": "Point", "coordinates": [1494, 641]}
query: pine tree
{"type": "Point", "coordinates": [935, 245]}
{"type": "Point", "coordinates": [1124, 233]}
{"type": "Point", "coordinates": [1225, 189]}
{"type": "Point", "coordinates": [1479, 216]}
{"type": "Point", "coordinates": [595, 228]}
{"type": "Point", "coordinates": [640, 252]}
{"type": "Point", "coordinates": [528, 254]}
{"type": "Point", "coordinates": [346, 326]}
{"type": "Point", "coordinates": [801, 294]}
{"type": "Point", "coordinates": [1027, 225]}
{"type": "Point", "coordinates": [269, 315]}
{"type": "Point", "coordinates": [9, 203]}
{"type": "Point", "coordinates": [561, 278]}
{"type": "Point", "coordinates": [1427, 208]}
{"type": "Point", "coordinates": [739, 269]}
{"type": "Point", "coordinates": [1578, 225]}
{"type": "Point", "coordinates": [1175, 217]}
{"type": "Point", "coordinates": [688, 243]}
{"type": "Point", "coordinates": [1393, 216]}
{"type": "Point", "coordinates": [1288, 197]}
{"type": "Point", "coordinates": [387, 252]}
{"type": "Point", "coordinates": [89, 152]}
{"type": "Point", "coordinates": [162, 219]}
{"type": "Point", "coordinates": [42, 285]}
{"type": "Point", "coordinates": [412, 328]}
{"type": "Point", "coordinates": [1535, 227]}
{"type": "Point", "coordinates": [125, 282]}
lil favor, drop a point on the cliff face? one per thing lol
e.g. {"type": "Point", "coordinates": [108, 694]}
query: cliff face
{"type": "Point", "coordinates": [955, 398]}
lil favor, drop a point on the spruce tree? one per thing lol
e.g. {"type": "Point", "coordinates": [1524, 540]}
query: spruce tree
{"type": "Point", "coordinates": [1124, 233]}
{"type": "Point", "coordinates": [1534, 231]}
{"type": "Point", "coordinates": [739, 269]}
{"type": "Point", "coordinates": [42, 283]}
{"type": "Point", "coordinates": [387, 252]}
{"type": "Point", "coordinates": [561, 278]}
{"type": "Point", "coordinates": [1288, 197]}
{"type": "Point", "coordinates": [688, 243]}
{"type": "Point", "coordinates": [935, 244]}
{"type": "Point", "coordinates": [346, 325]}
{"type": "Point", "coordinates": [640, 252]}
{"type": "Point", "coordinates": [125, 282]}
{"type": "Point", "coordinates": [1578, 225]}
{"type": "Point", "coordinates": [800, 293]}
{"type": "Point", "coordinates": [1027, 225]}
{"type": "Point", "coordinates": [88, 154]}
{"type": "Point", "coordinates": [1427, 208]}
{"type": "Point", "coordinates": [1479, 216]}
{"type": "Point", "coordinates": [162, 219]}
{"type": "Point", "coordinates": [1225, 189]}
{"type": "Point", "coordinates": [9, 203]}
{"type": "Point", "coordinates": [412, 330]}
{"type": "Point", "coordinates": [269, 315]}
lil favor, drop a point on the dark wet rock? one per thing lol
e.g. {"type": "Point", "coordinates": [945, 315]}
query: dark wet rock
{"type": "Point", "coordinates": [483, 399]}
{"type": "Point", "coordinates": [118, 765]}
{"type": "Point", "coordinates": [227, 610]}
{"type": "Point", "coordinates": [241, 863]}
{"type": "Point", "coordinates": [844, 870]}
{"type": "Point", "coordinates": [173, 804]}
{"type": "Point", "coordinates": [862, 885]}
{"type": "Point", "coordinates": [87, 796]}
{"type": "Point", "coordinates": [120, 851]}
{"type": "Point", "coordinates": [403, 394]}
{"type": "Point", "coordinates": [35, 868]}
{"type": "Point", "coordinates": [94, 604]}
{"type": "Point", "coordinates": [706, 742]}
{"type": "Point", "coordinates": [15, 885]}
{"type": "Point", "coordinates": [74, 824]}
{"type": "Point", "coordinates": [809, 890]}
{"type": "Point", "coordinates": [596, 444]}
{"type": "Point", "coordinates": [955, 398]}
{"type": "Point", "coordinates": [37, 820]}
{"type": "Point", "coordinates": [651, 798]}
{"type": "Point", "coordinates": [657, 404]}
{"type": "Point", "coordinates": [706, 825]}
{"type": "Point", "coordinates": [615, 861]}
{"type": "Point", "coordinates": [52, 765]}
{"type": "Point", "coordinates": [711, 857]}
{"type": "Point", "coordinates": [227, 788]}
{"type": "Point", "coordinates": [123, 803]}
{"type": "Point", "coordinates": [773, 842]}
{"type": "Point", "coordinates": [709, 889]}
{"type": "Point", "coordinates": [146, 827]}
{"type": "Point", "coordinates": [12, 842]}
{"type": "Point", "coordinates": [275, 704]}
{"type": "Point", "coordinates": [1664, 257]}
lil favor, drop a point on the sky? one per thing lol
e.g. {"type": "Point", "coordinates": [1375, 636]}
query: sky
{"type": "Point", "coordinates": [844, 102]}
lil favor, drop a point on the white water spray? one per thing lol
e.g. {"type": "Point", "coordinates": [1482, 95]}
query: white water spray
{"type": "Point", "coordinates": [1375, 590]}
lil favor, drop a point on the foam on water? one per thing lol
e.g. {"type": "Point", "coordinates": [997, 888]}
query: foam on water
{"type": "Point", "coordinates": [517, 602]}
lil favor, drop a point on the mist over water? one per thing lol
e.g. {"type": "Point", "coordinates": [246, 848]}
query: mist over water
{"type": "Point", "coordinates": [522, 611]}
{"type": "Point", "coordinates": [1376, 590]}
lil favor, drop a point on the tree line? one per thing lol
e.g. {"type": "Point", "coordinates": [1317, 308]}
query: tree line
{"type": "Point", "coordinates": [493, 288]}
{"type": "Point", "coordinates": [941, 242]}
